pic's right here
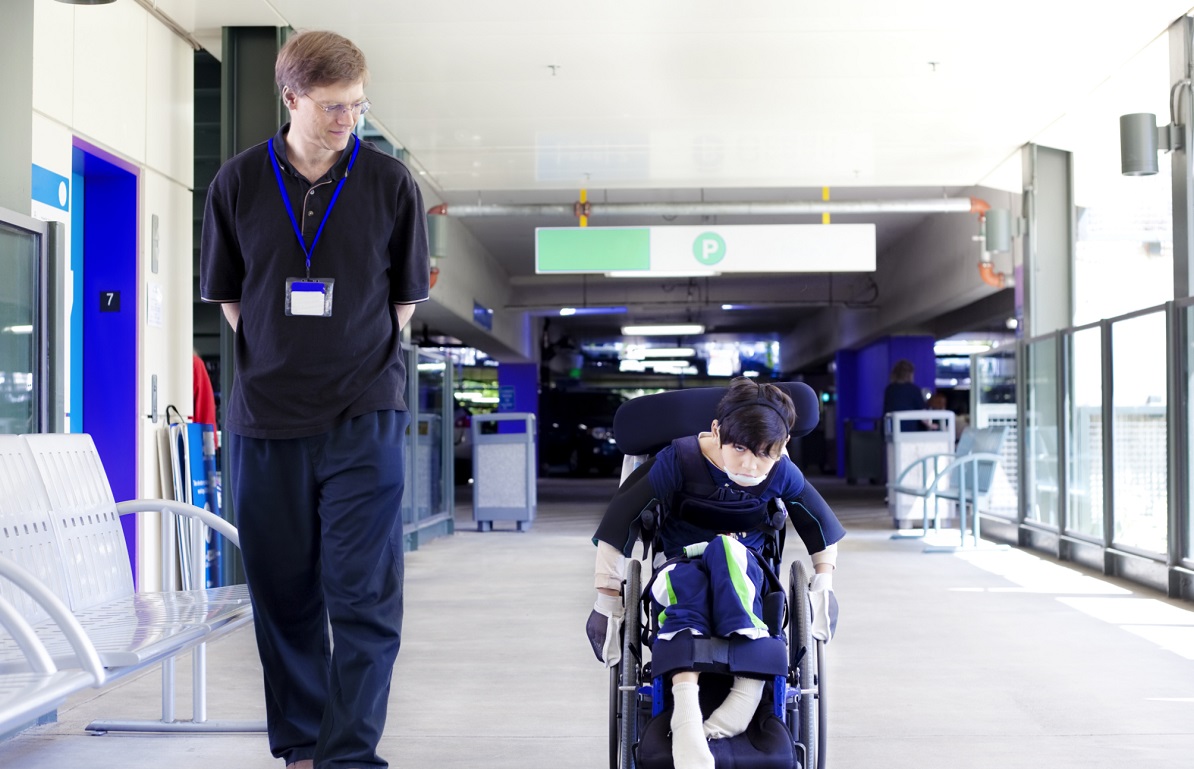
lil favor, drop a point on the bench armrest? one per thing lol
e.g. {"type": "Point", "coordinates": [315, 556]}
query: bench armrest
{"type": "Point", "coordinates": [23, 634]}
{"type": "Point", "coordinates": [920, 462]}
{"type": "Point", "coordinates": [211, 520]}
{"type": "Point", "coordinates": [957, 463]}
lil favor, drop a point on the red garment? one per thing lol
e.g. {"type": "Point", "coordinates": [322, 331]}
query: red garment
{"type": "Point", "coordinates": [205, 399]}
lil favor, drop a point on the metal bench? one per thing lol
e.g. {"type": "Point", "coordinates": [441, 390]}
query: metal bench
{"type": "Point", "coordinates": [27, 694]}
{"type": "Point", "coordinates": [963, 477]}
{"type": "Point", "coordinates": [60, 523]}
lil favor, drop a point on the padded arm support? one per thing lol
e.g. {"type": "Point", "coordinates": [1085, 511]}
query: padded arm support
{"type": "Point", "coordinates": [84, 650]}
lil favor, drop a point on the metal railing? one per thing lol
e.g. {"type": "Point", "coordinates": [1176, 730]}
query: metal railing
{"type": "Point", "coordinates": [1099, 467]}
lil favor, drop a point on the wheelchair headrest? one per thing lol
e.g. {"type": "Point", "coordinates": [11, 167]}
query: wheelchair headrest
{"type": "Point", "coordinates": [646, 424]}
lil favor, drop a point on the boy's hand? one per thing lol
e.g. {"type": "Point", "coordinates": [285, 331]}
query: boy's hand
{"type": "Point", "coordinates": [824, 606]}
{"type": "Point", "coordinates": [604, 629]}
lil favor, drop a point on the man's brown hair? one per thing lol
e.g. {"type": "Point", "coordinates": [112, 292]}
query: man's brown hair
{"type": "Point", "coordinates": [313, 58]}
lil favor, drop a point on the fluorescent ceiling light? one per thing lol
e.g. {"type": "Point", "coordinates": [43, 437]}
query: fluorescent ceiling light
{"type": "Point", "coordinates": [634, 352]}
{"type": "Point", "coordinates": [565, 311]}
{"type": "Point", "coordinates": [961, 346]}
{"type": "Point", "coordinates": [18, 329]}
{"type": "Point", "coordinates": [661, 273]}
{"type": "Point", "coordinates": [674, 329]}
{"type": "Point", "coordinates": [673, 367]}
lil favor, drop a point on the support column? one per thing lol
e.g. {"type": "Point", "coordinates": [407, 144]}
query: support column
{"type": "Point", "coordinates": [1181, 73]}
{"type": "Point", "coordinates": [1048, 291]}
{"type": "Point", "coordinates": [16, 119]}
{"type": "Point", "coordinates": [251, 111]}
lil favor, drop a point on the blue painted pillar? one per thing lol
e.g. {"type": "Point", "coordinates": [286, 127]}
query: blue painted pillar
{"type": "Point", "coordinates": [862, 376]}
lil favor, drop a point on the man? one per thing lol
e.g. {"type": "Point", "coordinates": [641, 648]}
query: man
{"type": "Point", "coordinates": [315, 245]}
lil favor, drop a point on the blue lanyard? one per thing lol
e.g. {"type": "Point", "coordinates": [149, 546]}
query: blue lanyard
{"type": "Point", "coordinates": [290, 208]}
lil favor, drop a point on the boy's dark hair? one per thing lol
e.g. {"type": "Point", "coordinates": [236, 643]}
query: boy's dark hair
{"type": "Point", "coordinates": [756, 416]}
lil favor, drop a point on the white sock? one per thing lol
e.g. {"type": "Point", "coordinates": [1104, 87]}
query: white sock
{"type": "Point", "coordinates": [689, 748]}
{"type": "Point", "coordinates": [734, 714]}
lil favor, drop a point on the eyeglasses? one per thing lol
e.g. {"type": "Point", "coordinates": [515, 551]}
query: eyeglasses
{"type": "Point", "coordinates": [339, 110]}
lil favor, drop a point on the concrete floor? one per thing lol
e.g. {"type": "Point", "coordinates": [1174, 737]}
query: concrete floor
{"type": "Point", "coordinates": [990, 659]}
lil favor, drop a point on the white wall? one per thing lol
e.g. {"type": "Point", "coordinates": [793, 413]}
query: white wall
{"type": "Point", "coordinates": [118, 79]}
{"type": "Point", "coordinates": [470, 273]}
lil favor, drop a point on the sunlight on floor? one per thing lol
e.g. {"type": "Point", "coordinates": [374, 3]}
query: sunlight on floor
{"type": "Point", "coordinates": [1167, 625]}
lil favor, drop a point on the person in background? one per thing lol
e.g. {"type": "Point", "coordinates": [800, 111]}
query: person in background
{"type": "Point", "coordinates": [204, 397]}
{"type": "Point", "coordinates": [902, 394]}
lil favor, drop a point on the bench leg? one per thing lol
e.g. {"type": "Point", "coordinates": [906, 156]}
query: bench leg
{"type": "Point", "coordinates": [103, 727]}
{"type": "Point", "coordinates": [169, 723]}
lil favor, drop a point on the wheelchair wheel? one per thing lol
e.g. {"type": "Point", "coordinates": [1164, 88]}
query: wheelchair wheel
{"type": "Point", "coordinates": [624, 677]}
{"type": "Point", "coordinates": [802, 670]}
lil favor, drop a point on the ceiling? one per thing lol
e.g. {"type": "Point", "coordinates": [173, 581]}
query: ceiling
{"type": "Point", "coordinates": [697, 100]}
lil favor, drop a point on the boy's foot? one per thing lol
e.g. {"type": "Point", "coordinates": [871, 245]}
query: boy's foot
{"type": "Point", "coordinates": [689, 748]}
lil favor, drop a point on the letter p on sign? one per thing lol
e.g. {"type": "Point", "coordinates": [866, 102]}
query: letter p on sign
{"type": "Point", "coordinates": [709, 248]}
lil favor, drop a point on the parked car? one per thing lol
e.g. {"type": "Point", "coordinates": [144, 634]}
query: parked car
{"type": "Point", "coordinates": [576, 432]}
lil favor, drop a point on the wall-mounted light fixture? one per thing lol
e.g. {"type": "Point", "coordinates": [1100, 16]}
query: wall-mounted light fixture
{"type": "Point", "coordinates": [87, 2]}
{"type": "Point", "coordinates": [1140, 138]}
{"type": "Point", "coordinates": [998, 228]}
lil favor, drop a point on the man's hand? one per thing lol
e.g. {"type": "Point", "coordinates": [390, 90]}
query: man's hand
{"type": "Point", "coordinates": [824, 606]}
{"type": "Point", "coordinates": [604, 629]}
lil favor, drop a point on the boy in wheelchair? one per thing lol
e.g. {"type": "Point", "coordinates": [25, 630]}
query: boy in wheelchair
{"type": "Point", "coordinates": [712, 508]}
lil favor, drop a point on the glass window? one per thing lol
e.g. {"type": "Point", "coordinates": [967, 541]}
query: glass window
{"type": "Point", "coordinates": [1084, 485]}
{"type": "Point", "coordinates": [18, 292]}
{"type": "Point", "coordinates": [1042, 430]}
{"type": "Point", "coordinates": [1139, 440]}
{"type": "Point", "coordinates": [1124, 224]}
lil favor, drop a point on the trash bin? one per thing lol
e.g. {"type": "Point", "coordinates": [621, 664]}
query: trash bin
{"type": "Point", "coordinates": [504, 473]}
{"type": "Point", "coordinates": [908, 439]}
{"type": "Point", "coordinates": [864, 450]}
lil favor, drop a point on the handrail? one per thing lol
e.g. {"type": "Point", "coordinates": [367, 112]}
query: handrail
{"type": "Point", "coordinates": [212, 520]}
{"type": "Point", "coordinates": [84, 650]}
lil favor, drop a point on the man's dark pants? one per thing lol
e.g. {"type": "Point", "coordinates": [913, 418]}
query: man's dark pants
{"type": "Point", "coordinates": [321, 534]}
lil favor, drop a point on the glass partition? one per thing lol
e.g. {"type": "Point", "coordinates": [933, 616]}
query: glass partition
{"type": "Point", "coordinates": [1138, 428]}
{"type": "Point", "coordinates": [1041, 431]}
{"type": "Point", "coordinates": [427, 504]}
{"type": "Point", "coordinates": [1084, 425]}
{"type": "Point", "coordinates": [993, 403]}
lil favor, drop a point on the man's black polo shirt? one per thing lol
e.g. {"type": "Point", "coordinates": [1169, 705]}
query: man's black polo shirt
{"type": "Point", "coordinates": [301, 376]}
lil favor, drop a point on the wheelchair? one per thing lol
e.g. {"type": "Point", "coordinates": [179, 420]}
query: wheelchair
{"type": "Point", "coordinates": [789, 729]}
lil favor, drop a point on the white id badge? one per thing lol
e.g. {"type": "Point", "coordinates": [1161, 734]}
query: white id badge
{"type": "Point", "coordinates": [309, 296]}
